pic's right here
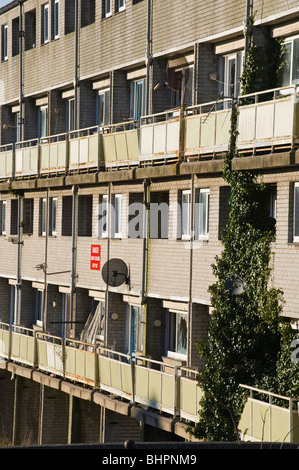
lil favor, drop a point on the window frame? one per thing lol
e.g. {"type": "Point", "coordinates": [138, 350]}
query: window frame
{"type": "Point", "coordinates": [296, 213]}
{"type": "Point", "coordinates": [105, 93]}
{"type": "Point", "coordinates": [290, 40]}
{"type": "Point", "coordinates": [186, 235]}
{"type": "Point", "coordinates": [43, 220]}
{"type": "Point", "coordinates": [45, 23]}
{"type": "Point", "coordinates": [134, 336]}
{"type": "Point", "coordinates": [119, 7]}
{"type": "Point", "coordinates": [43, 114]}
{"type": "Point", "coordinates": [137, 102]}
{"type": "Point", "coordinates": [56, 8]}
{"type": "Point", "coordinates": [104, 201]}
{"type": "Point", "coordinates": [117, 215]}
{"type": "Point", "coordinates": [53, 222]}
{"type": "Point", "coordinates": [172, 345]}
{"type": "Point", "coordinates": [238, 57]}
{"type": "Point", "coordinates": [3, 217]}
{"type": "Point", "coordinates": [107, 8]}
{"type": "Point", "coordinates": [202, 235]}
{"type": "Point", "coordinates": [4, 43]}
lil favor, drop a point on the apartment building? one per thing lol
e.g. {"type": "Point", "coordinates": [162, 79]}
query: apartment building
{"type": "Point", "coordinates": [115, 116]}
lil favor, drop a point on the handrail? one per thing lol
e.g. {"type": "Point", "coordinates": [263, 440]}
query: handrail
{"type": "Point", "coordinates": [275, 91]}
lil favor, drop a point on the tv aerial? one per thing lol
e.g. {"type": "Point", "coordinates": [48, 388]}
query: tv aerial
{"type": "Point", "coordinates": [115, 272]}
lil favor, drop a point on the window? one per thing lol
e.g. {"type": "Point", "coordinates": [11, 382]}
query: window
{"type": "Point", "coordinates": [202, 213]}
{"type": "Point", "coordinates": [98, 307]}
{"type": "Point", "coordinates": [103, 216]}
{"type": "Point", "coordinates": [182, 86]}
{"type": "Point", "coordinates": [13, 305]}
{"type": "Point", "coordinates": [107, 11]}
{"type": "Point", "coordinates": [14, 216]}
{"type": "Point", "coordinates": [103, 108]}
{"type": "Point", "coordinates": [43, 121]}
{"type": "Point", "coordinates": [3, 217]}
{"type": "Point", "coordinates": [177, 333]}
{"type": "Point", "coordinates": [39, 300]}
{"type": "Point", "coordinates": [15, 36]}
{"type": "Point", "coordinates": [289, 73]}
{"type": "Point", "coordinates": [69, 17]}
{"type": "Point", "coordinates": [4, 42]}
{"type": "Point", "coordinates": [30, 30]}
{"type": "Point", "coordinates": [117, 209]}
{"type": "Point", "coordinates": [137, 99]}
{"type": "Point", "coordinates": [27, 221]}
{"type": "Point", "coordinates": [70, 113]}
{"type": "Point", "coordinates": [137, 215]}
{"type": "Point", "coordinates": [159, 214]}
{"type": "Point", "coordinates": [88, 13]}
{"type": "Point", "coordinates": [296, 213]}
{"type": "Point", "coordinates": [43, 208]}
{"type": "Point", "coordinates": [186, 214]}
{"type": "Point", "coordinates": [18, 127]}
{"type": "Point", "coordinates": [45, 24]}
{"type": "Point", "coordinates": [53, 216]}
{"type": "Point", "coordinates": [233, 67]}
{"type": "Point", "coordinates": [134, 336]}
{"type": "Point", "coordinates": [120, 5]}
{"type": "Point", "coordinates": [67, 203]}
{"type": "Point", "coordinates": [84, 216]}
{"type": "Point", "coordinates": [55, 22]}
{"type": "Point", "coordinates": [66, 315]}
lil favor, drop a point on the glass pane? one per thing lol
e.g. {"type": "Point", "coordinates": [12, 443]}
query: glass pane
{"type": "Point", "coordinates": [43, 121]}
{"type": "Point", "coordinates": [138, 100]}
{"type": "Point", "coordinates": [189, 86]}
{"type": "Point", "coordinates": [186, 214]}
{"type": "Point", "coordinates": [71, 115]}
{"type": "Point", "coordinates": [203, 212]}
{"type": "Point", "coordinates": [181, 333]}
{"type": "Point", "coordinates": [102, 318]}
{"type": "Point", "coordinates": [54, 215]}
{"type": "Point", "coordinates": [231, 77]}
{"type": "Point", "coordinates": [172, 331]}
{"type": "Point", "coordinates": [295, 68]}
{"type": "Point", "coordinates": [284, 75]}
{"type": "Point", "coordinates": [296, 212]}
{"type": "Point", "coordinates": [56, 19]}
{"type": "Point", "coordinates": [134, 328]}
{"type": "Point", "coordinates": [44, 211]}
{"type": "Point", "coordinates": [117, 214]}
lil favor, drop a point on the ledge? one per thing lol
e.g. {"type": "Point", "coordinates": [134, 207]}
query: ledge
{"type": "Point", "coordinates": [204, 166]}
{"type": "Point", "coordinates": [272, 160]}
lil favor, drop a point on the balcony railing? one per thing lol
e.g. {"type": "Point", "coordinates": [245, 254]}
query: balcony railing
{"type": "Point", "coordinates": [267, 120]}
{"type": "Point", "coordinates": [172, 390]}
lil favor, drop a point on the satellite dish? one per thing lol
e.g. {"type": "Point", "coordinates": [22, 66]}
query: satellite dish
{"type": "Point", "coordinates": [235, 285]}
{"type": "Point", "coordinates": [115, 272]}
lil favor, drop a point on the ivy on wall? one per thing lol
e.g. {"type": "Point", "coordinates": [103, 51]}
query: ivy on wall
{"type": "Point", "coordinates": [248, 341]}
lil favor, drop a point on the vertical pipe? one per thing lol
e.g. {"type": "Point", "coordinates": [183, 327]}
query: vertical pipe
{"type": "Point", "coordinates": [21, 68]}
{"type": "Point", "coordinates": [192, 234]}
{"type": "Point", "coordinates": [76, 80]}
{"type": "Point", "coordinates": [74, 253]}
{"type": "Point", "coordinates": [108, 221]}
{"type": "Point", "coordinates": [148, 55]}
{"type": "Point", "coordinates": [44, 314]}
{"type": "Point", "coordinates": [18, 285]}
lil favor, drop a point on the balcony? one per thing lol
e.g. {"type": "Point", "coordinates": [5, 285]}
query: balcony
{"type": "Point", "coordinates": [267, 122]}
{"type": "Point", "coordinates": [143, 381]}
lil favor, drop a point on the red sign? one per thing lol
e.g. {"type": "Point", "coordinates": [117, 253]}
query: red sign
{"type": "Point", "coordinates": [95, 257]}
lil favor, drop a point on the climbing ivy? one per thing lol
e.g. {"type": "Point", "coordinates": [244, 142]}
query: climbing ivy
{"type": "Point", "coordinates": [248, 341]}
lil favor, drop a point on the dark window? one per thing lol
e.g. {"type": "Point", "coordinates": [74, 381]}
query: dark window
{"type": "Point", "coordinates": [14, 217]}
{"type": "Point", "coordinates": [15, 36]}
{"type": "Point", "coordinates": [85, 216]}
{"type": "Point", "coordinates": [30, 30]}
{"type": "Point", "coordinates": [69, 20]}
{"type": "Point", "coordinates": [88, 13]}
{"type": "Point", "coordinates": [27, 216]}
{"type": "Point", "coordinates": [159, 214]}
{"type": "Point", "coordinates": [66, 229]}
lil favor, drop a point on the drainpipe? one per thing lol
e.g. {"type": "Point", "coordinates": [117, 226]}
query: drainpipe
{"type": "Point", "coordinates": [108, 221]}
{"type": "Point", "coordinates": [74, 253]}
{"type": "Point", "coordinates": [46, 263]}
{"type": "Point", "coordinates": [18, 286]}
{"type": "Point", "coordinates": [21, 33]}
{"type": "Point", "coordinates": [144, 242]}
{"type": "Point", "coordinates": [76, 77]}
{"type": "Point", "coordinates": [148, 55]}
{"type": "Point", "coordinates": [192, 236]}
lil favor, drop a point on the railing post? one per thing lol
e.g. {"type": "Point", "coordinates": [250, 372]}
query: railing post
{"type": "Point", "coordinates": [133, 378]}
{"type": "Point", "coordinates": [291, 418]}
